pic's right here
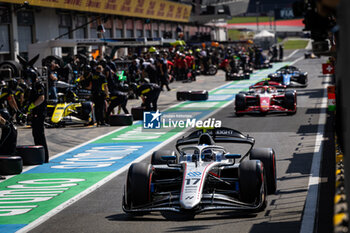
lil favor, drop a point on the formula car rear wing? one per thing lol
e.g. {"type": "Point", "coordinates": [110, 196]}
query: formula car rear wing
{"type": "Point", "coordinates": [222, 135]}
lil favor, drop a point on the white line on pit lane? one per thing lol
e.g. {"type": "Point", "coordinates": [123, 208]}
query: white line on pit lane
{"type": "Point", "coordinates": [290, 55]}
{"type": "Point", "coordinates": [309, 215]}
{"type": "Point", "coordinates": [76, 198]}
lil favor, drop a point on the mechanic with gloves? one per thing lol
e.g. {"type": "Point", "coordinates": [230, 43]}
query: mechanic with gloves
{"type": "Point", "coordinates": [7, 98]}
{"type": "Point", "coordinates": [99, 94]}
{"type": "Point", "coordinates": [117, 98]}
{"type": "Point", "coordinates": [37, 108]}
{"type": "Point", "coordinates": [8, 140]}
{"type": "Point", "coordinates": [149, 93]}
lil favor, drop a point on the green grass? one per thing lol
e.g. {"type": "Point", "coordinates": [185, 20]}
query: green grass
{"type": "Point", "coordinates": [249, 19]}
{"type": "Point", "coordinates": [233, 34]}
{"type": "Point", "coordinates": [295, 44]}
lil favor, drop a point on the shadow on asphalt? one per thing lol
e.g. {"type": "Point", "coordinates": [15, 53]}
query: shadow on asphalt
{"type": "Point", "coordinates": [275, 227]}
{"type": "Point", "coordinates": [169, 216]}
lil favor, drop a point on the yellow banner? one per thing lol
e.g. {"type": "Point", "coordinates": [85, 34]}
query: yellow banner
{"type": "Point", "coordinates": [153, 9]}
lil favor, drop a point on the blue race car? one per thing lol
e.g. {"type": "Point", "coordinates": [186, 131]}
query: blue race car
{"type": "Point", "coordinates": [289, 76]}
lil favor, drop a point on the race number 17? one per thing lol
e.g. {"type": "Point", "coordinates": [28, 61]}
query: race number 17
{"type": "Point", "coordinates": [193, 180]}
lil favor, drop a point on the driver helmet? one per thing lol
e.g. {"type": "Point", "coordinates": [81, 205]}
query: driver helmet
{"type": "Point", "coordinates": [12, 84]}
{"type": "Point", "coordinates": [207, 155]}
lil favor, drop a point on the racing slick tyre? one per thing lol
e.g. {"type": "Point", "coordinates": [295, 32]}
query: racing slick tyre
{"type": "Point", "coordinates": [290, 101]}
{"type": "Point", "coordinates": [121, 120]}
{"type": "Point", "coordinates": [251, 180]}
{"type": "Point", "coordinates": [240, 102]}
{"type": "Point", "coordinates": [182, 95]}
{"type": "Point", "coordinates": [198, 95]}
{"type": "Point", "coordinates": [157, 159]}
{"type": "Point", "coordinates": [137, 113]}
{"type": "Point", "coordinates": [138, 184]}
{"type": "Point", "coordinates": [14, 67]}
{"type": "Point", "coordinates": [10, 165]}
{"type": "Point", "coordinates": [302, 79]}
{"type": "Point", "coordinates": [268, 157]}
{"type": "Point", "coordinates": [31, 155]}
{"type": "Point", "coordinates": [212, 70]}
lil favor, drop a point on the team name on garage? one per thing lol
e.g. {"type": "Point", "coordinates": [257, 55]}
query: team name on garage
{"type": "Point", "coordinates": [210, 122]}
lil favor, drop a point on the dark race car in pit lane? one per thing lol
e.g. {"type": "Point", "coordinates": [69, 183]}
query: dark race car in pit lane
{"type": "Point", "coordinates": [203, 176]}
{"type": "Point", "coordinates": [263, 99]}
{"type": "Point", "coordinates": [290, 76]}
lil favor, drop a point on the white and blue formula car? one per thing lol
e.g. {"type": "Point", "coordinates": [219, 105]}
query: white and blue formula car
{"type": "Point", "coordinates": [290, 76]}
{"type": "Point", "coordinates": [202, 176]}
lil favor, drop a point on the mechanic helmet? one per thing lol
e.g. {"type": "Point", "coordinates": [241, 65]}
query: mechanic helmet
{"type": "Point", "coordinates": [207, 155]}
{"type": "Point", "coordinates": [103, 63]}
{"type": "Point", "coordinates": [152, 49]}
{"type": "Point", "coordinates": [31, 74]}
{"type": "Point", "coordinates": [125, 87]}
{"type": "Point", "coordinates": [12, 84]}
{"type": "Point", "coordinates": [87, 68]}
{"type": "Point", "coordinates": [112, 65]}
{"type": "Point", "coordinates": [133, 87]}
{"type": "Point", "coordinates": [93, 63]}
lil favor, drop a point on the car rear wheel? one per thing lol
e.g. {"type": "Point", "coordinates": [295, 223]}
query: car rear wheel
{"type": "Point", "coordinates": [251, 180]}
{"type": "Point", "coordinates": [240, 102]}
{"type": "Point", "coordinates": [268, 157]}
{"type": "Point", "coordinates": [290, 100]}
{"type": "Point", "coordinates": [138, 184]}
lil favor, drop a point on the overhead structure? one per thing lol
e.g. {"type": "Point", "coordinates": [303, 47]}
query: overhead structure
{"type": "Point", "coordinates": [210, 10]}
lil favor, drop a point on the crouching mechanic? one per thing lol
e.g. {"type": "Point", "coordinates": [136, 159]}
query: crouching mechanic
{"type": "Point", "coordinates": [117, 99]}
{"type": "Point", "coordinates": [149, 93]}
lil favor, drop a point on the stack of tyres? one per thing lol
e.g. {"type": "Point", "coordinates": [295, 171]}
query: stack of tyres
{"type": "Point", "coordinates": [137, 113]}
{"type": "Point", "coordinates": [192, 95]}
{"type": "Point", "coordinates": [121, 119]}
{"type": "Point", "coordinates": [31, 155]}
{"type": "Point", "coordinates": [236, 76]}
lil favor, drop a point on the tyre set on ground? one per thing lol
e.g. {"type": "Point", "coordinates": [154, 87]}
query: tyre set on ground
{"type": "Point", "coordinates": [192, 95]}
{"type": "Point", "coordinates": [25, 155]}
{"type": "Point", "coordinates": [137, 113]}
{"type": "Point", "coordinates": [121, 119]}
{"type": "Point", "coordinates": [236, 76]}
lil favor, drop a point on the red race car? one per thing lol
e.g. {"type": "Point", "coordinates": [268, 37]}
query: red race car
{"type": "Point", "coordinates": [263, 99]}
{"type": "Point", "coordinates": [268, 83]}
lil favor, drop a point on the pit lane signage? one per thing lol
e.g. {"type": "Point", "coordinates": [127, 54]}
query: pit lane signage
{"type": "Point", "coordinates": [153, 9]}
{"type": "Point", "coordinates": [39, 191]}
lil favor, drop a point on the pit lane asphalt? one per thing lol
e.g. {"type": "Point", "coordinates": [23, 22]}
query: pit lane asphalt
{"type": "Point", "coordinates": [292, 137]}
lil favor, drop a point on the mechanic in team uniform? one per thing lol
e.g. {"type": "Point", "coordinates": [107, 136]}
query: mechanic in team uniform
{"type": "Point", "coordinates": [37, 108]}
{"type": "Point", "coordinates": [149, 93]}
{"type": "Point", "coordinates": [117, 99]}
{"type": "Point", "coordinates": [100, 93]}
{"type": "Point", "coordinates": [8, 138]}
